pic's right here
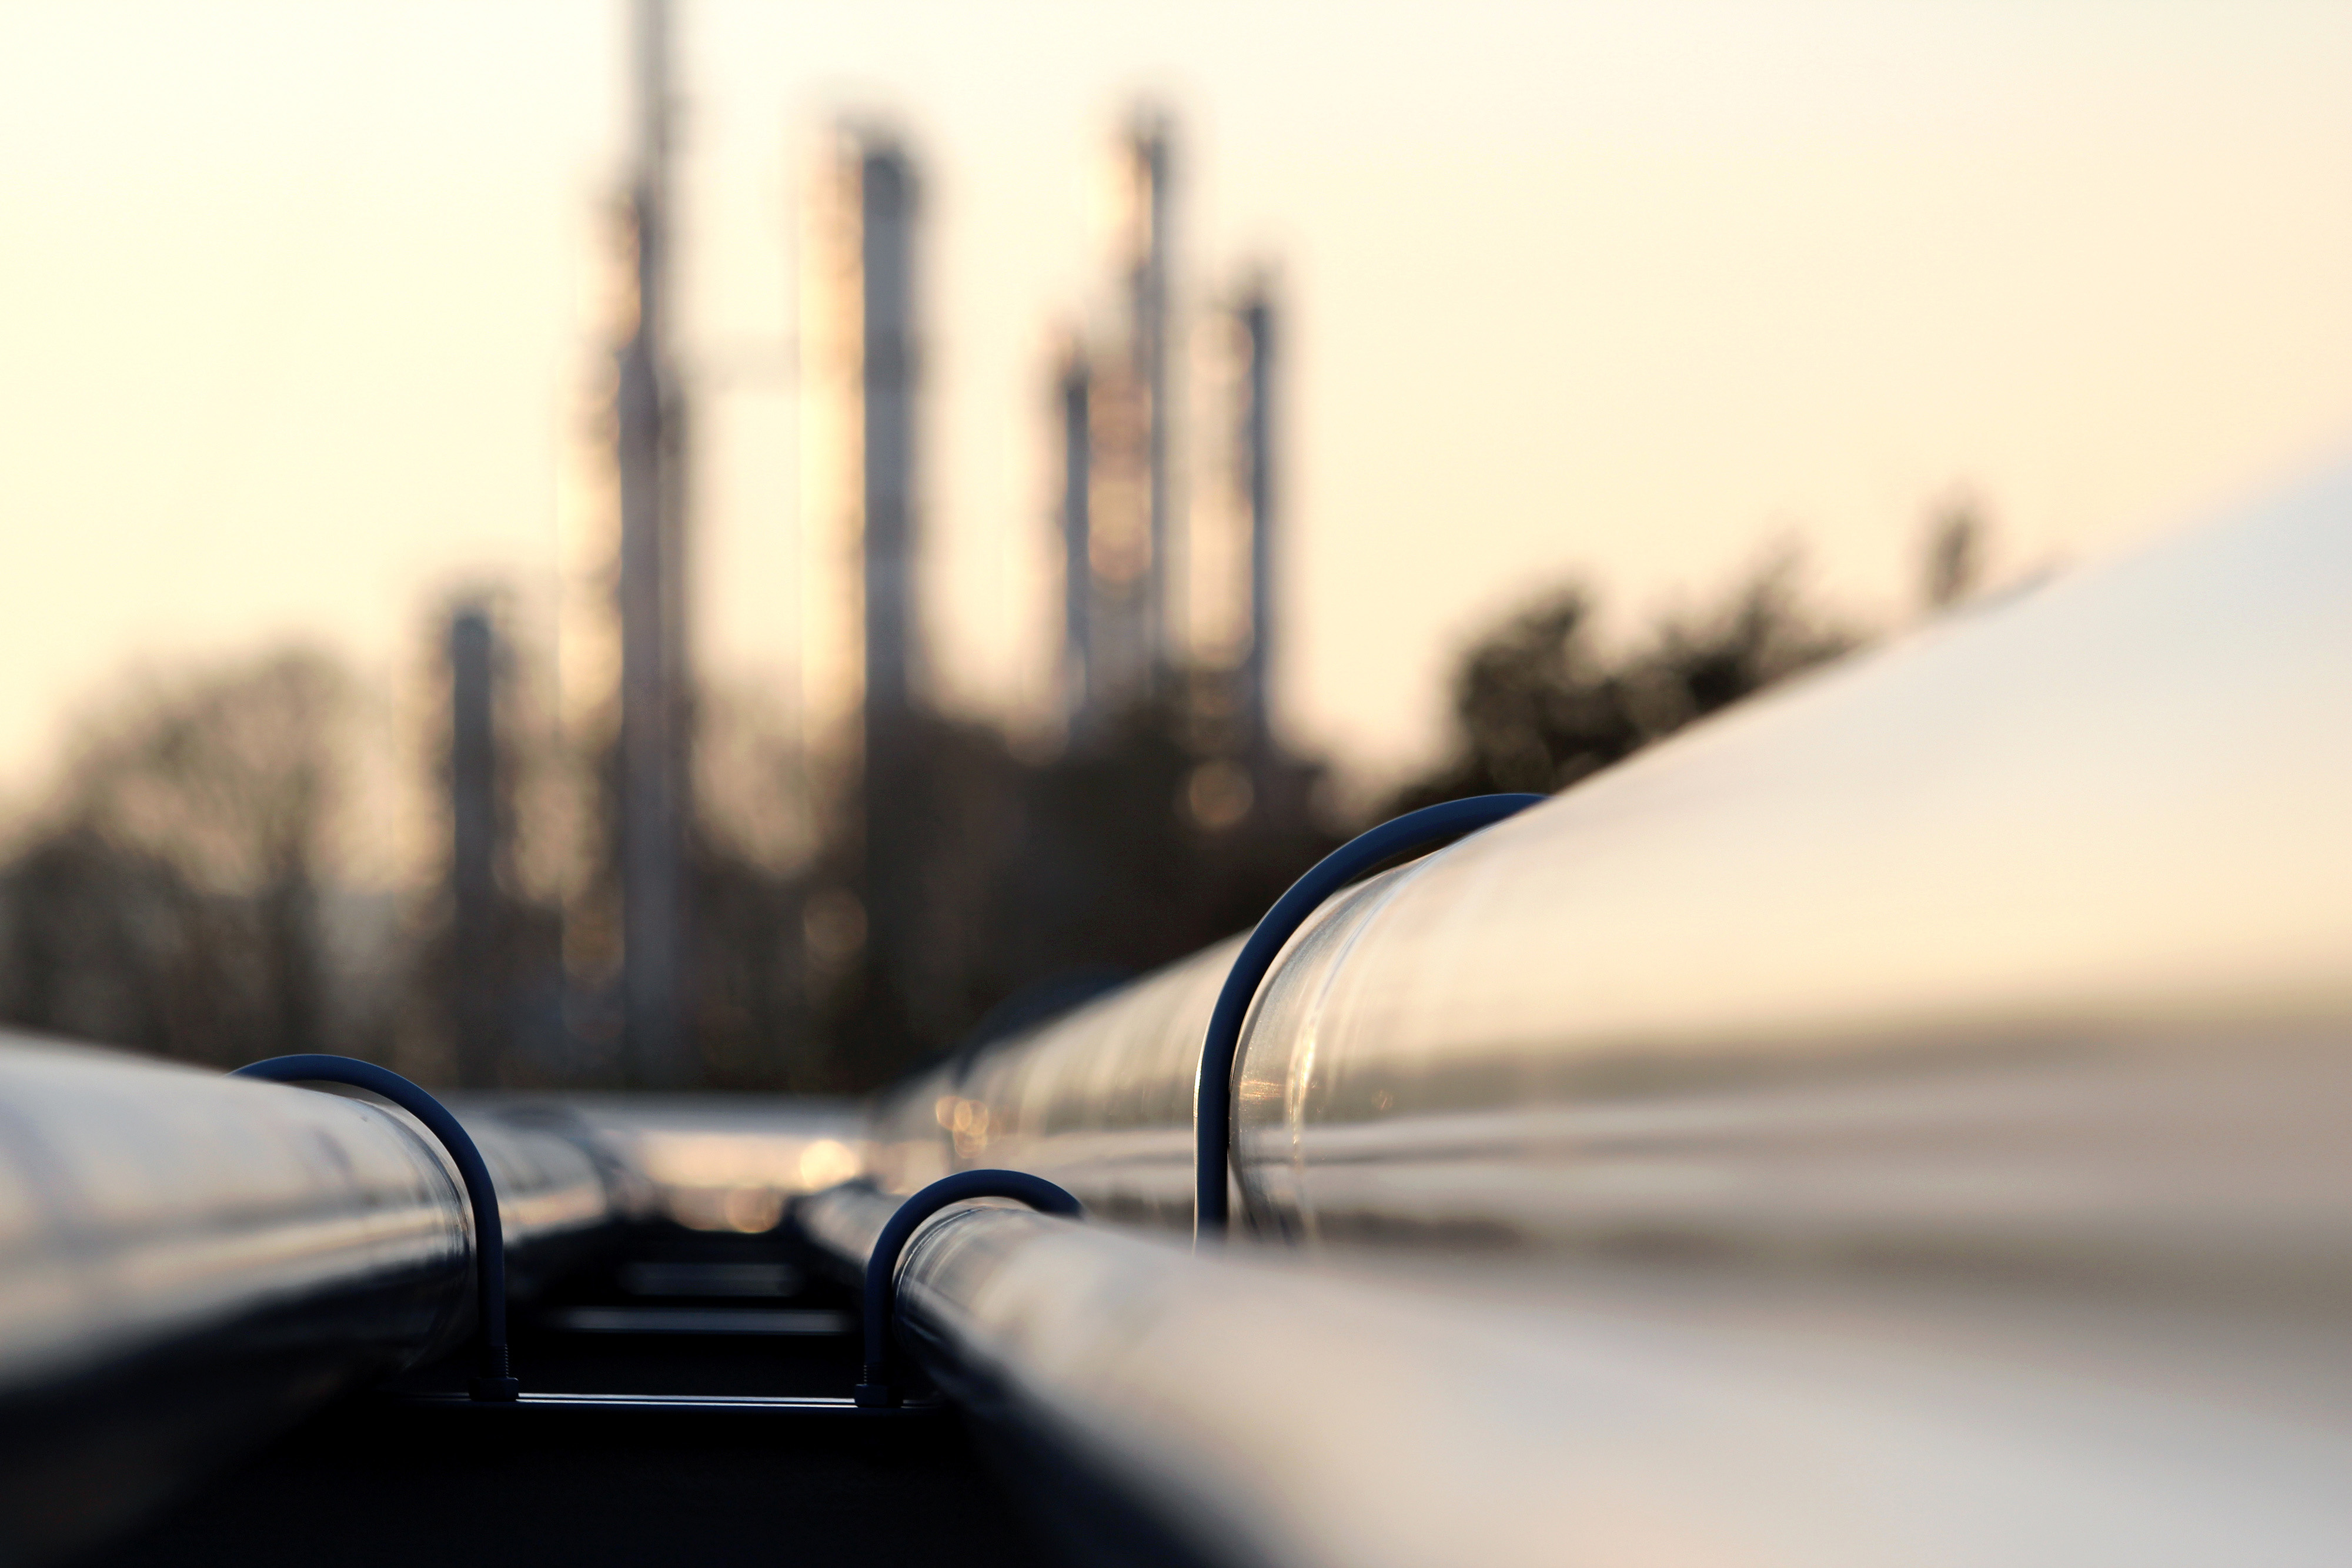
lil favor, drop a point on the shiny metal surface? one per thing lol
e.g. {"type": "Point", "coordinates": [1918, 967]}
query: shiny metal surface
{"type": "Point", "coordinates": [1900, 1120]}
{"type": "Point", "coordinates": [1212, 1092]}
{"type": "Point", "coordinates": [2037, 925]}
{"type": "Point", "coordinates": [2049, 904]}
{"type": "Point", "coordinates": [1101, 1101]}
{"type": "Point", "coordinates": [1280, 1410]}
{"type": "Point", "coordinates": [188, 1262]}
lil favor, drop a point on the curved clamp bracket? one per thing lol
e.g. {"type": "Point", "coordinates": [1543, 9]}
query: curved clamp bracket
{"type": "Point", "coordinates": [874, 1387]}
{"type": "Point", "coordinates": [1213, 1092]}
{"type": "Point", "coordinates": [496, 1380]}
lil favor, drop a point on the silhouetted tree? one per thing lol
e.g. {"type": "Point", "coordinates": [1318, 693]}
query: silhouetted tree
{"type": "Point", "coordinates": [174, 898]}
{"type": "Point", "coordinates": [170, 900]}
{"type": "Point", "coordinates": [1042, 878]}
{"type": "Point", "coordinates": [1955, 555]}
{"type": "Point", "coordinates": [1538, 705]}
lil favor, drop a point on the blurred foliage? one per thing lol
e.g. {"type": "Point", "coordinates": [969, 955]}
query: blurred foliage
{"type": "Point", "coordinates": [1000, 881]}
{"type": "Point", "coordinates": [171, 899]}
{"type": "Point", "coordinates": [1539, 704]}
{"type": "Point", "coordinates": [179, 895]}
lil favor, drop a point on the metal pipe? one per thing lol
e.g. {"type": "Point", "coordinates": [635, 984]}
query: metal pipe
{"type": "Point", "coordinates": [494, 1379]}
{"type": "Point", "coordinates": [875, 1384]}
{"type": "Point", "coordinates": [190, 1262]}
{"type": "Point", "coordinates": [1800, 1143]}
{"type": "Point", "coordinates": [1978, 868]}
{"type": "Point", "coordinates": [1417, 1411]}
{"type": "Point", "coordinates": [1213, 1103]}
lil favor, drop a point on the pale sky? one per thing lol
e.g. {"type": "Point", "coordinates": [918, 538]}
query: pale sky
{"type": "Point", "coordinates": [300, 304]}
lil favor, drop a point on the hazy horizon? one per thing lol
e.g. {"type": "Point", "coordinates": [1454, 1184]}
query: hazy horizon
{"type": "Point", "coordinates": [304, 314]}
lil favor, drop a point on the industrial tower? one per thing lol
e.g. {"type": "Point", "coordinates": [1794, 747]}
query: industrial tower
{"type": "Point", "coordinates": [655, 798]}
{"type": "Point", "coordinates": [1118, 442]}
{"type": "Point", "coordinates": [1256, 317]}
{"type": "Point", "coordinates": [477, 842]}
{"type": "Point", "coordinates": [863, 652]}
{"type": "Point", "coordinates": [1074, 399]}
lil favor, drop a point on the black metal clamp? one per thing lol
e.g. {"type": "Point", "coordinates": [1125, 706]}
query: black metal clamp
{"type": "Point", "coordinates": [1212, 1091]}
{"type": "Point", "coordinates": [875, 1390]}
{"type": "Point", "coordinates": [495, 1382]}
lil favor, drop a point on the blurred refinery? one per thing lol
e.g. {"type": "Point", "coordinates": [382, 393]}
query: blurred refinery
{"type": "Point", "coordinates": [931, 869]}
{"type": "Point", "coordinates": [639, 884]}
{"type": "Point", "coordinates": [1897, 1123]}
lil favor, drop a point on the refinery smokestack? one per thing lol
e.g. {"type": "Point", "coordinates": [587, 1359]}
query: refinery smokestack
{"type": "Point", "coordinates": [862, 657]}
{"type": "Point", "coordinates": [1078, 672]}
{"type": "Point", "coordinates": [474, 978]}
{"type": "Point", "coordinates": [1150, 262]}
{"type": "Point", "coordinates": [1256, 316]}
{"type": "Point", "coordinates": [887, 201]}
{"type": "Point", "coordinates": [654, 797]}
{"type": "Point", "coordinates": [1131, 513]}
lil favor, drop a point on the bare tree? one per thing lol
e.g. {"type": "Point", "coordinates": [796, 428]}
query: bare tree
{"type": "Point", "coordinates": [1537, 704]}
{"type": "Point", "coordinates": [169, 898]}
